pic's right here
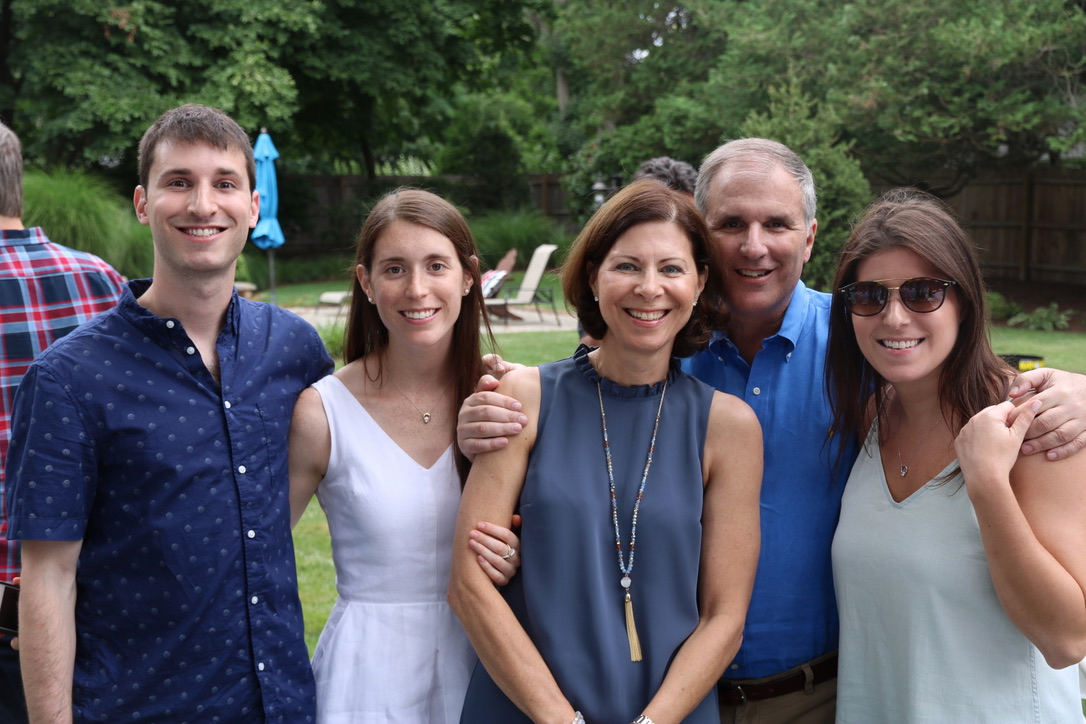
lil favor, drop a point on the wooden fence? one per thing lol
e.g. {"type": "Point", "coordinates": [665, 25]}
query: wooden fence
{"type": "Point", "coordinates": [1030, 227]}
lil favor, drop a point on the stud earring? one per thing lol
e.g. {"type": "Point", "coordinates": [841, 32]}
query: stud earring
{"type": "Point", "coordinates": [466, 291]}
{"type": "Point", "coordinates": [370, 299]}
{"type": "Point", "coordinates": [595, 298]}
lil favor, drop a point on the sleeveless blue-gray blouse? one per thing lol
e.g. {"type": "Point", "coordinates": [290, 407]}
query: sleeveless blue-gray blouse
{"type": "Point", "coordinates": [567, 593]}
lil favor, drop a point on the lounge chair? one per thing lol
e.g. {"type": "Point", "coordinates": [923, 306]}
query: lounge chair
{"type": "Point", "coordinates": [529, 292]}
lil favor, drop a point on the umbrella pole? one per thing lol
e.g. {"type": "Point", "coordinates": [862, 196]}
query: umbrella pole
{"type": "Point", "coordinates": [271, 273]}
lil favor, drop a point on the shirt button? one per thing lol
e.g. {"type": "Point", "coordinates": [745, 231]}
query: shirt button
{"type": "Point", "coordinates": [735, 666]}
{"type": "Point", "coordinates": [170, 324]}
{"type": "Point", "coordinates": [251, 534]}
{"type": "Point", "coordinates": [241, 469]}
{"type": "Point", "coordinates": [226, 404]}
{"type": "Point", "coordinates": [757, 390]}
{"type": "Point", "coordinates": [253, 600]}
{"type": "Point", "coordinates": [789, 355]}
{"type": "Point", "coordinates": [260, 666]}
{"type": "Point", "coordinates": [190, 350]}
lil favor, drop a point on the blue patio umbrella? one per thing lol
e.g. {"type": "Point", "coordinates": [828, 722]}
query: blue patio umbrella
{"type": "Point", "coordinates": [267, 235]}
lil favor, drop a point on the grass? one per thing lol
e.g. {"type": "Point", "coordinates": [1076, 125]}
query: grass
{"type": "Point", "coordinates": [1062, 350]}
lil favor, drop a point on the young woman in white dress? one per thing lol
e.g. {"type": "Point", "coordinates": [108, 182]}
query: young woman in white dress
{"type": "Point", "coordinates": [959, 564]}
{"type": "Point", "coordinates": [375, 443]}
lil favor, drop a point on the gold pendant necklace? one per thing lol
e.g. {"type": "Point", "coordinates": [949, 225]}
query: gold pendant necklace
{"type": "Point", "coordinates": [426, 416]}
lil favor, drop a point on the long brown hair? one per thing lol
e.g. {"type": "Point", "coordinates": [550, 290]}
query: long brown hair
{"type": "Point", "coordinates": [367, 333]}
{"type": "Point", "coordinates": [639, 203]}
{"type": "Point", "coordinates": [973, 376]}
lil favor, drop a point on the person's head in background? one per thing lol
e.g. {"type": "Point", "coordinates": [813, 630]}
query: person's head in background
{"type": "Point", "coordinates": [676, 175]}
{"type": "Point", "coordinates": [11, 179]}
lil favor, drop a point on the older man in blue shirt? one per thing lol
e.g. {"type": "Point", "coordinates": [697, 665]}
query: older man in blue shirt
{"type": "Point", "coordinates": [148, 471]}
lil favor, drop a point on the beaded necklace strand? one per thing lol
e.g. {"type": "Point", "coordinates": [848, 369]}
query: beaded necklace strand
{"type": "Point", "coordinates": [624, 566]}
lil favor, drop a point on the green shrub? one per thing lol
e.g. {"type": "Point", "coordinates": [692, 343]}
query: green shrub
{"type": "Point", "coordinates": [523, 230]}
{"type": "Point", "coordinates": [1002, 308]}
{"type": "Point", "coordinates": [332, 335]}
{"type": "Point", "coordinates": [83, 212]}
{"type": "Point", "coordinates": [1043, 319]}
{"type": "Point", "coordinates": [253, 267]}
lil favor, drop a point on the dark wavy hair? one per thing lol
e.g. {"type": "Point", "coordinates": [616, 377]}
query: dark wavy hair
{"type": "Point", "coordinates": [973, 376]}
{"type": "Point", "coordinates": [639, 203]}
{"type": "Point", "coordinates": [367, 333]}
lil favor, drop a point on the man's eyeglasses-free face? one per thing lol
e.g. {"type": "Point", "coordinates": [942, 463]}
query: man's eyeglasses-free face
{"type": "Point", "coordinates": [921, 295]}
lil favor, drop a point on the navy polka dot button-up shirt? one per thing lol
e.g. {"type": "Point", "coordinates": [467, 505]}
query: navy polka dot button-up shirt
{"type": "Point", "coordinates": [187, 606]}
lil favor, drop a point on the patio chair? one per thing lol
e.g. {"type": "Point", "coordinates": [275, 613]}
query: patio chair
{"type": "Point", "coordinates": [528, 293]}
{"type": "Point", "coordinates": [493, 279]}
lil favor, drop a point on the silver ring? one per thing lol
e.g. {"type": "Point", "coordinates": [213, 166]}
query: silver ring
{"type": "Point", "coordinates": [512, 552]}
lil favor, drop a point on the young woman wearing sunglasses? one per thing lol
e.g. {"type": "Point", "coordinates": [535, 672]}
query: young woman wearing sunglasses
{"type": "Point", "coordinates": [959, 565]}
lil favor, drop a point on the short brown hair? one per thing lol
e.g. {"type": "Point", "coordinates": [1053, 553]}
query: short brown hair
{"type": "Point", "coordinates": [194, 123]}
{"type": "Point", "coordinates": [642, 202]}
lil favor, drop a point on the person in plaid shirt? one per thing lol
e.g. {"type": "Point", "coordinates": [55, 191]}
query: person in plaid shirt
{"type": "Point", "coordinates": [46, 291]}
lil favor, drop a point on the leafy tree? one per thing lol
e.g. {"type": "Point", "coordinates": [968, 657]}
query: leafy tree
{"type": "Point", "coordinates": [926, 89]}
{"type": "Point", "coordinates": [92, 75]}
{"type": "Point", "coordinates": [350, 81]}
{"type": "Point", "coordinates": [925, 92]}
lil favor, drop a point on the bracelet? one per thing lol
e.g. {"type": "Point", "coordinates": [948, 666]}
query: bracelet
{"type": "Point", "coordinates": [578, 718]}
{"type": "Point", "coordinates": [643, 720]}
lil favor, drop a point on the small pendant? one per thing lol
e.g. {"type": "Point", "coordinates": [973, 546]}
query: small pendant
{"type": "Point", "coordinates": [904, 470]}
{"type": "Point", "coordinates": [426, 419]}
{"type": "Point", "coordinates": [625, 582]}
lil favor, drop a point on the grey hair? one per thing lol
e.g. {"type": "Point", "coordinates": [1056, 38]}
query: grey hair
{"type": "Point", "coordinates": [11, 173]}
{"type": "Point", "coordinates": [756, 150]}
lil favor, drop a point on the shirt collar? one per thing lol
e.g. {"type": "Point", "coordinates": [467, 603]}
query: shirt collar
{"type": "Point", "coordinates": [165, 329]}
{"type": "Point", "coordinates": [791, 326]}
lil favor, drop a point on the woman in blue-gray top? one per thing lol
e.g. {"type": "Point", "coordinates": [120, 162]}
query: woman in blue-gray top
{"type": "Point", "coordinates": [638, 488]}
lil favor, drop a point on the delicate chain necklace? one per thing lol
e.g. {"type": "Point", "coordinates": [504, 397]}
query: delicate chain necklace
{"type": "Point", "coordinates": [426, 417]}
{"type": "Point", "coordinates": [905, 466]}
{"type": "Point", "coordinates": [624, 566]}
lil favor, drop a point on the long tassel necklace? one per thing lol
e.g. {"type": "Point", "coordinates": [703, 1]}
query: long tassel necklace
{"type": "Point", "coordinates": [626, 566]}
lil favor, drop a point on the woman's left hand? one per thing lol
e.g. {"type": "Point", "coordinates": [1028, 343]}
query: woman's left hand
{"type": "Point", "coordinates": [497, 550]}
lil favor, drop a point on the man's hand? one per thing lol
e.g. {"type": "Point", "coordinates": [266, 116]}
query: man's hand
{"type": "Point", "coordinates": [487, 418]}
{"type": "Point", "coordinates": [1060, 426]}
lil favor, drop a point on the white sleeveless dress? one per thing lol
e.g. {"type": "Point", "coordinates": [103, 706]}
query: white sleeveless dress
{"type": "Point", "coordinates": [392, 650]}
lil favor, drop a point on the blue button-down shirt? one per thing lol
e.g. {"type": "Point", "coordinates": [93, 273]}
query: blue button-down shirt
{"type": "Point", "coordinates": [793, 611]}
{"type": "Point", "coordinates": [187, 604]}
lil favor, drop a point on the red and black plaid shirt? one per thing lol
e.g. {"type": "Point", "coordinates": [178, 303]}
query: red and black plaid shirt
{"type": "Point", "coordinates": [46, 291]}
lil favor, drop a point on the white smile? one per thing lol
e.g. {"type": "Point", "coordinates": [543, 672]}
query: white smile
{"type": "Point", "coordinates": [420, 314]}
{"type": "Point", "coordinates": [647, 316]}
{"type": "Point", "coordinates": [202, 231]}
{"type": "Point", "coordinates": [899, 343]}
{"type": "Point", "coordinates": [753, 273]}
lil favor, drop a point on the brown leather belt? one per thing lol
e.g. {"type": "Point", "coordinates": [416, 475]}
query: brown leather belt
{"type": "Point", "coordinates": [735, 693]}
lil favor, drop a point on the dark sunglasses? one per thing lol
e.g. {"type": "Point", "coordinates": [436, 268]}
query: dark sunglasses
{"type": "Point", "coordinates": [922, 295]}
